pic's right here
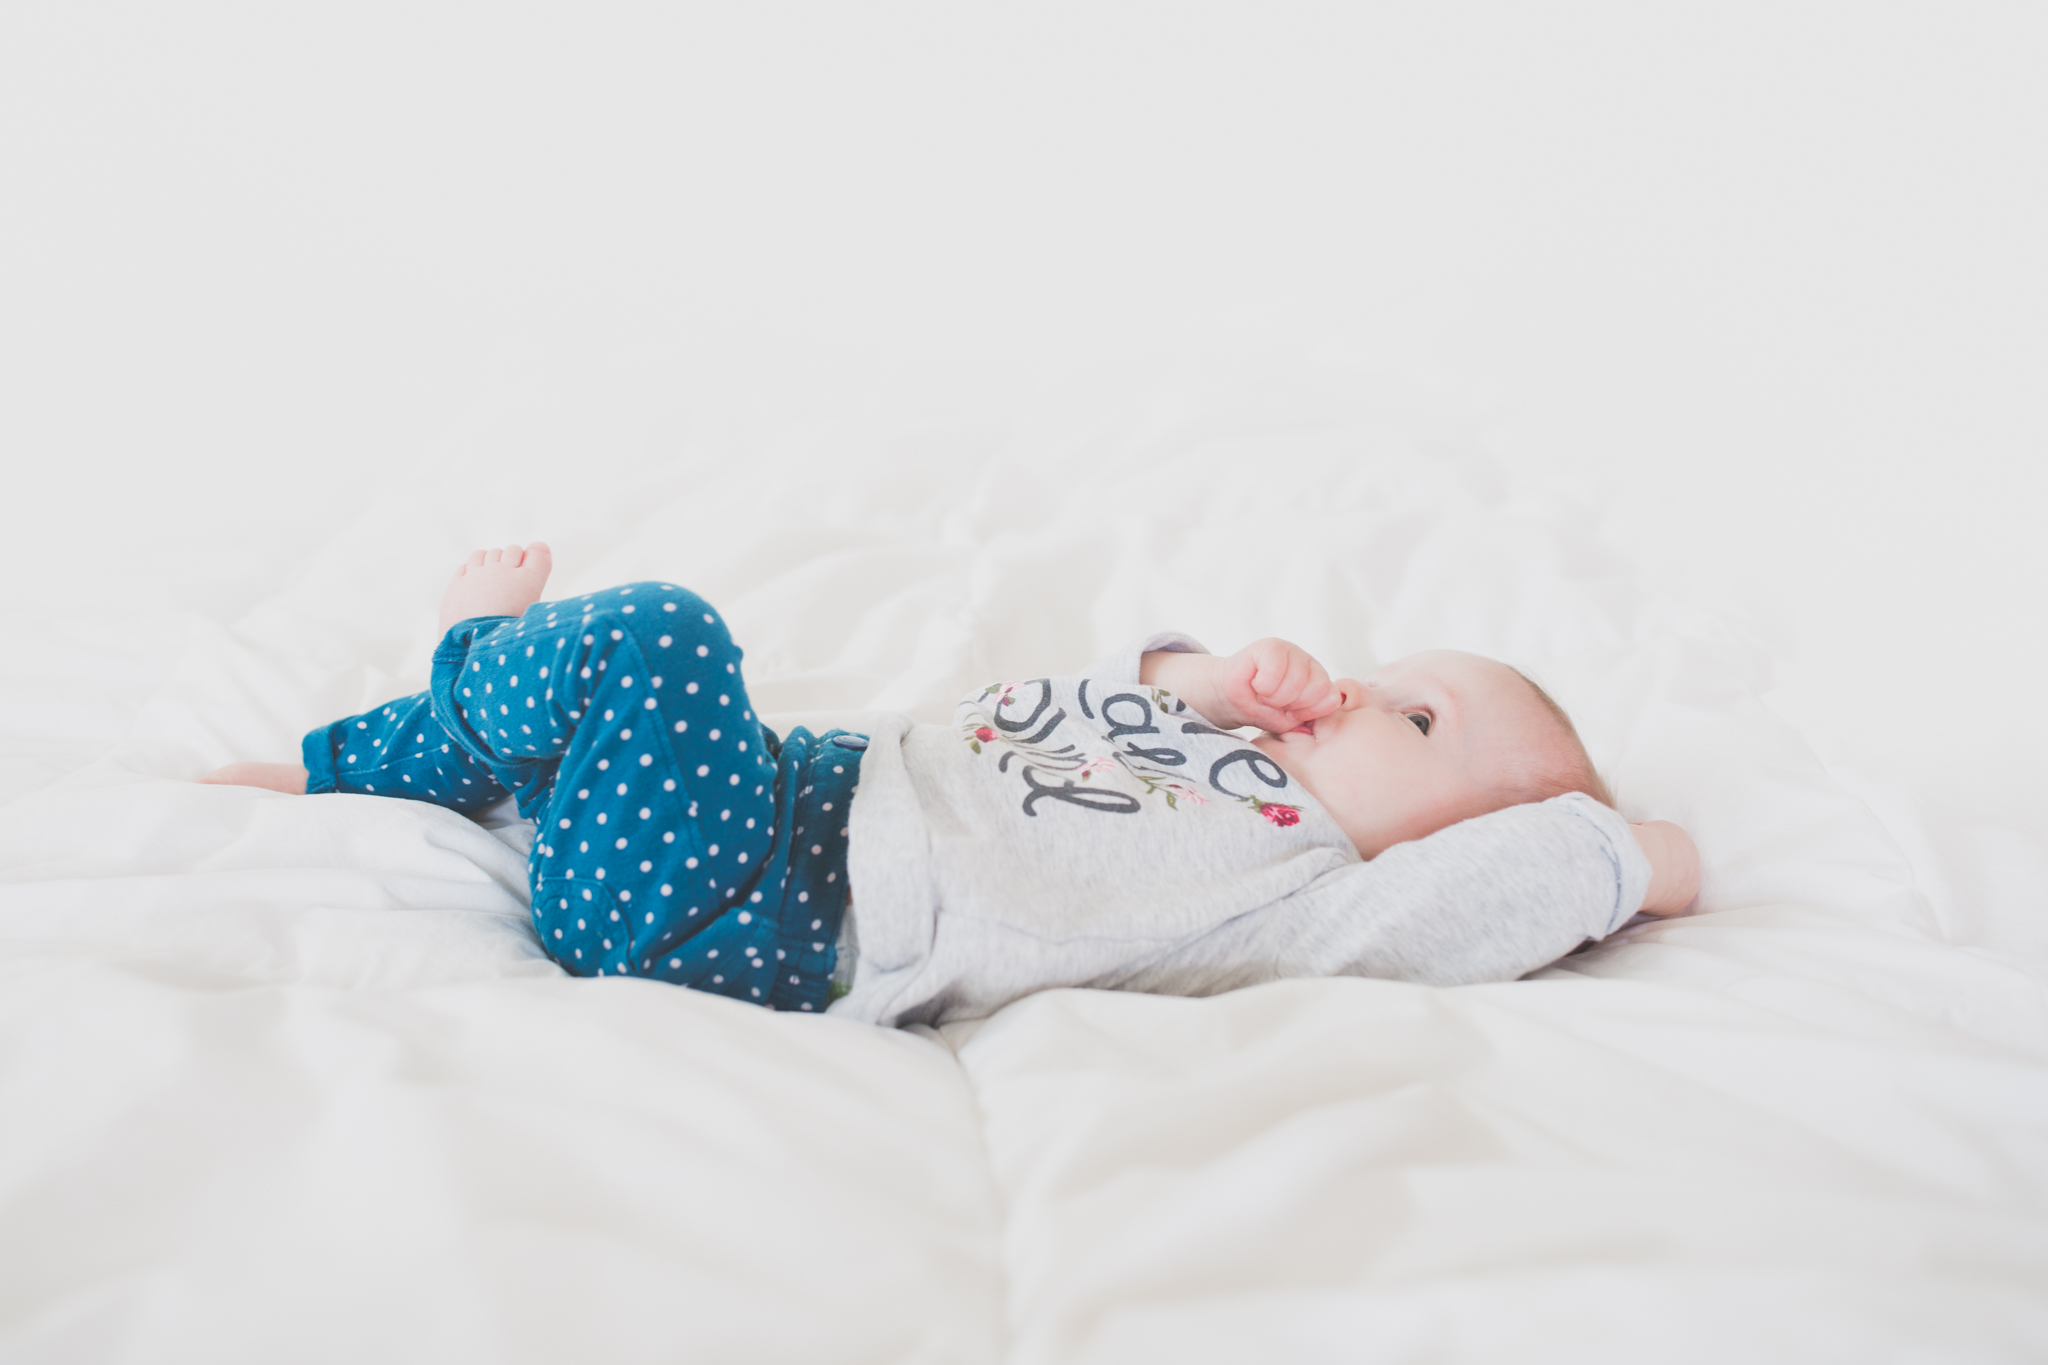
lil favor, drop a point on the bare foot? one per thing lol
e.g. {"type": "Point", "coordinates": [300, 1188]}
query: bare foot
{"type": "Point", "coordinates": [288, 778]}
{"type": "Point", "coordinates": [497, 583]}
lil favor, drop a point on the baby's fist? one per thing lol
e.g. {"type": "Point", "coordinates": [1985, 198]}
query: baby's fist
{"type": "Point", "coordinates": [1275, 685]}
{"type": "Point", "coordinates": [1674, 867]}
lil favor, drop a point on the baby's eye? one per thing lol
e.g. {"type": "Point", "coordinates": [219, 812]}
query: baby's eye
{"type": "Point", "coordinates": [1421, 721]}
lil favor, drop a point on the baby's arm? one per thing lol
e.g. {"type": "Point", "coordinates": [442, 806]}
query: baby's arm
{"type": "Point", "coordinates": [1269, 683]}
{"type": "Point", "coordinates": [1487, 899]}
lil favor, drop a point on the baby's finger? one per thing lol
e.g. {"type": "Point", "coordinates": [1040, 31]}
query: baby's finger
{"type": "Point", "coordinates": [1241, 690]}
{"type": "Point", "coordinates": [1323, 696]}
{"type": "Point", "coordinates": [1268, 674]}
{"type": "Point", "coordinates": [1280, 673]}
{"type": "Point", "coordinates": [1319, 699]}
{"type": "Point", "coordinates": [1302, 685]}
{"type": "Point", "coordinates": [1282, 678]}
{"type": "Point", "coordinates": [1266, 718]}
{"type": "Point", "coordinates": [1309, 685]}
{"type": "Point", "coordinates": [1281, 719]}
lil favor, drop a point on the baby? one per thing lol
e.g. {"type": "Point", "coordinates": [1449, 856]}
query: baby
{"type": "Point", "coordinates": [1438, 822]}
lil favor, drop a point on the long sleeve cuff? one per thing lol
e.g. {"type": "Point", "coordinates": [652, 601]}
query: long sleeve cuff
{"type": "Point", "coordinates": [1631, 868]}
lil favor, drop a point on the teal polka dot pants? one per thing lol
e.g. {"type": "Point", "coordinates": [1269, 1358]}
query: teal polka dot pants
{"type": "Point", "coordinates": [676, 836]}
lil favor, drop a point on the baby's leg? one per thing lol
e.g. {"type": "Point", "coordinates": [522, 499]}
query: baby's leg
{"type": "Point", "coordinates": [622, 720]}
{"type": "Point", "coordinates": [399, 749]}
{"type": "Point", "coordinates": [666, 811]}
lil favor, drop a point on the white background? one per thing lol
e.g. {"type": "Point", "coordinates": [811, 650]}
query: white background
{"type": "Point", "coordinates": [1774, 269]}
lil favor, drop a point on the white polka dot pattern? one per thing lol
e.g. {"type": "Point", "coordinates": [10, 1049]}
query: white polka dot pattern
{"type": "Point", "coordinates": [574, 765]}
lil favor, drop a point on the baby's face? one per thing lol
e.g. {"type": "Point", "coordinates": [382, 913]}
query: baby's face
{"type": "Point", "coordinates": [1385, 779]}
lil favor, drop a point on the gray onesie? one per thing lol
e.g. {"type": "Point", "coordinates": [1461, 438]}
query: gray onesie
{"type": "Point", "coordinates": [1091, 831]}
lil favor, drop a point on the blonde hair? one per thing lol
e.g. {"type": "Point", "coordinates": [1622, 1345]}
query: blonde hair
{"type": "Point", "coordinates": [1545, 780]}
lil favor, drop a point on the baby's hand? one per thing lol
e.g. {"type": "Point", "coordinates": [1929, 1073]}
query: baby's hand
{"type": "Point", "coordinates": [1274, 685]}
{"type": "Point", "coordinates": [1674, 867]}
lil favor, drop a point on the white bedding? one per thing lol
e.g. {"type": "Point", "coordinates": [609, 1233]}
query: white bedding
{"type": "Point", "coordinates": [287, 1078]}
{"type": "Point", "coordinates": [1688, 357]}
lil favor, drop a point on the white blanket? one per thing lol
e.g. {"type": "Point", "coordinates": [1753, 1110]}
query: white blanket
{"type": "Point", "coordinates": [288, 1078]}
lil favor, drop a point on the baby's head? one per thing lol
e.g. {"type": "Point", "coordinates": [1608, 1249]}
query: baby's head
{"type": "Point", "coordinates": [1430, 740]}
